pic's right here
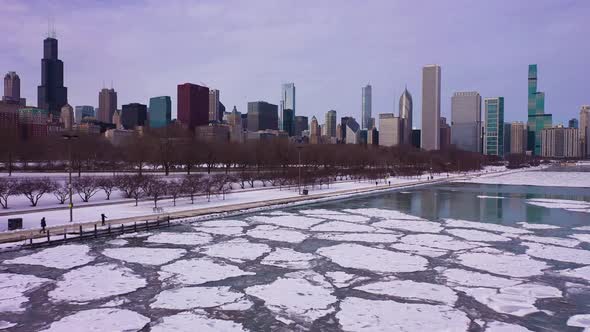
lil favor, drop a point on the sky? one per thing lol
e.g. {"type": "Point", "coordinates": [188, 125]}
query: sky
{"type": "Point", "coordinates": [330, 49]}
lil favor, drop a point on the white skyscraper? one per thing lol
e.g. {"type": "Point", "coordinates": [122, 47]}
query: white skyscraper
{"type": "Point", "coordinates": [287, 103]}
{"type": "Point", "coordinates": [366, 107]}
{"type": "Point", "coordinates": [405, 113]}
{"type": "Point", "coordinates": [466, 121]}
{"type": "Point", "coordinates": [431, 107]}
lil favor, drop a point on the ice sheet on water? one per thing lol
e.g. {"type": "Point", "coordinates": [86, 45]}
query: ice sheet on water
{"type": "Point", "coordinates": [135, 235]}
{"type": "Point", "coordinates": [558, 203]}
{"type": "Point", "coordinates": [360, 237]}
{"type": "Point", "coordinates": [580, 321]}
{"type": "Point", "coordinates": [240, 305]}
{"type": "Point", "coordinates": [580, 273]}
{"type": "Point", "coordinates": [191, 239]}
{"type": "Point", "coordinates": [238, 250]}
{"type": "Point", "coordinates": [438, 241]}
{"type": "Point", "coordinates": [419, 249]}
{"type": "Point", "coordinates": [223, 223]}
{"type": "Point", "coordinates": [383, 213]}
{"type": "Point", "coordinates": [537, 226]}
{"type": "Point", "coordinates": [412, 290]}
{"type": "Point", "coordinates": [564, 242]}
{"type": "Point", "coordinates": [582, 228]}
{"type": "Point", "coordinates": [6, 325]}
{"type": "Point", "coordinates": [12, 289]}
{"type": "Point", "coordinates": [297, 297]}
{"type": "Point", "coordinates": [195, 321]}
{"type": "Point", "coordinates": [505, 327]}
{"type": "Point", "coordinates": [143, 255]}
{"type": "Point", "coordinates": [457, 223]}
{"type": "Point", "coordinates": [458, 277]}
{"type": "Point", "coordinates": [275, 233]}
{"type": "Point", "coordinates": [581, 237]}
{"type": "Point", "coordinates": [490, 197]}
{"type": "Point", "coordinates": [199, 270]}
{"type": "Point", "coordinates": [504, 264]}
{"type": "Point", "coordinates": [230, 231]}
{"type": "Point", "coordinates": [294, 221]}
{"type": "Point", "coordinates": [323, 211]}
{"type": "Point", "coordinates": [118, 242]}
{"type": "Point", "coordinates": [379, 260]}
{"type": "Point", "coordinates": [60, 257]}
{"type": "Point", "coordinates": [549, 252]}
{"type": "Point", "coordinates": [289, 259]}
{"type": "Point", "coordinates": [418, 226]}
{"type": "Point", "coordinates": [344, 217]}
{"type": "Point", "coordinates": [115, 302]}
{"type": "Point", "coordinates": [195, 297]}
{"type": "Point", "coordinates": [475, 235]}
{"type": "Point", "coordinates": [340, 226]}
{"type": "Point", "coordinates": [107, 319]}
{"type": "Point", "coordinates": [342, 279]}
{"type": "Point", "coordinates": [278, 213]}
{"type": "Point", "coordinates": [96, 282]}
{"type": "Point", "coordinates": [362, 315]}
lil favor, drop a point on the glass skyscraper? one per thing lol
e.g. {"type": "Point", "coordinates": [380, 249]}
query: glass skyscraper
{"type": "Point", "coordinates": [366, 107]}
{"type": "Point", "coordinates": [537, 119]}
{"type": "Point", "coordinates": [494, 128]}
{"type": "Point", "coordinates": [160, 112]}
{"type": "Point", "coordinates": [287, 103]}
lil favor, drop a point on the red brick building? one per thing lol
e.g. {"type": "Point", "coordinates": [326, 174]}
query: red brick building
{"type": "Point", "coordinates": [193, 105]}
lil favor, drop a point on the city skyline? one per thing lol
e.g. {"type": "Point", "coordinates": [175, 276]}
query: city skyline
{"type": "Point", "coordinates": [323, 83]}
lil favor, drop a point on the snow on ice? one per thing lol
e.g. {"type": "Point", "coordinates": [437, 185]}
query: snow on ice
{"type": "Point", "coordinates": [223, 223]}
{"type": "Point", "coordinates": [339, 226]}
{"type": "Point", "coordinates": [537, 226]}
{"type": "Point", "coordinates": [485, 226]}
{"type": "Point", "coordinates": [475, 235]}
{"type": "Point", "coordinates": [578, 256]}
{"type": "Point", "coordinates": [289, 259]}
{"type": "Point", "coordinates": [191, 239]}
{"type": "Point", "coordinates": [360, 237]}
{"type": "Point", "coordinates": [146, 256]}
{"type": "Point", "coordinates": [299, 222]}
{"type": "Point", "coordinates": [229, 231]}
{"type": "Point", "coordinates": [438, 241]}
{"type": "Point", "coordinates": [238, 250]}
{"type": "Point", "coordinates": [342, 279]}
{"type": "Point", "coordinates": [458, 277]}
{"type": "Point", "coordinates": [195, 321]}
{"type": "Point", "coordinates": [12, 289]}
{"type": "Point", "coordinates": [551, 240]}
{"type": "Point", "coordinates": [199, 270]}
{"type": "Point", "coordinates": [580, 321]}
{"type": "Point", "coordinates": [504, 327]}
{"type": "Point", "coordinates": [195, 297]}
{"type": "Point", "coordinates": [581, 237]}
{"type": "Point", "coordinates": [580, 273]}
{"type": "Point", "coordinates": [412, 290]}
{"type": "Point", "coordinates": [275, 233]}
{"type": "Point", "coordinates": [107, 319]}
{"type": "Point", "coordinates": [419, 226]}
{"type": "Point", "coordinates": [419, 249]}
{"type": "Point", "coordinates": [504, 264]}
{"type": "Point", "coordinates": [60, 257]}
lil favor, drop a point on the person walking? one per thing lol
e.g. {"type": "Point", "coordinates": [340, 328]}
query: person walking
{"type": "Point", "coordinates": [103, 218]}
{"type": "Point", "coordinates": [43, 225]}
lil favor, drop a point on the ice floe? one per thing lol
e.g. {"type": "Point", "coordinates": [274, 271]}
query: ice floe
{"type": "Point", "coordinates": [339, 226]}
{"type": "Point", "coordinates": [199, 270]}
{"type": "Point", "coordinates": [323, 211]}
{"type": "Point", "coordinates": [458, 277]}
{"type": "Point", "coordinates": [344, 217]}
{"type": "Point", "coordinates": [419, 249]}
{"type": "Point", "coordinates": [559, 203]}
{"type": "Point", "coordinates": [475, 235]}
{"type": "Point", "coordinates": [238, 250]}
{"type": "Point", "coordinates": [60, 257]}
{"type": "Point", "coordinates": [342, 279]}
{"type": "Point", "coordinates": [580, 321]}
{"type": "Point", "coordinates": [195, 297]}
{"type": "Point", "coordinates": [146, 256]}
{"type": "Point", "coordinates": [240, 305]}
{"type": "Point", "coordinates": [504, 264]}
{"type": "Point", "coordinates": [299, 222]}
{"type": "Point", "coordinates": [230, 231]}
{"type": "Point", "coordinates": [223, 223]}
{"type": "Point", "coordinates": [378, 260]}
{"type": "Point", "coordinates": [296, 297]}
{"type": "Point", "coordinates": [578, 256]}
{"type": "Point", "coordinates": [505, 327]}
{"type": "Point", "coordinates": [6, 325]}
{"type": "Point", "coordinates": [485, 226]}
{"type": "Point", "coordinates": [195, 321]}
{"type": "Point", "coordinates": [135, 235]}
{"type": "Point", "coordinates": [551, 240]}
{"type": "Point", "coordinates": [191, 239]}
{"type": "Point", "coordinates": [537, 226]}
{"type": "Point", "coordinates": [418, 226]}
{"type": "Point", "coordinates": [383, 213]}
{"type": "Point", "coordinates": [107, 319]}
{"type": "Point", "coordinates": [580, 273]}
{"type": "Point", "coordinates": [288, 258]}
{"type": "Point", "coordinates": [118, 242]}
{"type": "Point", "coordinates": [581, 237]}
{"type": "Point", "coordinates": [115, 302]}
{"type": "Point", "coordinates": [412, 290]}
{"type": "Point", "coordinates": [582, 228]}
{"type": "Point", "coordinates": [490, 197]}
{"type": "Point", "coordinates": [275, 233]}
{"type": "Point", "coordinates": [362, 315]}
{"type": "Point", "coordinates": [438, 241]}
{"type": "Point", "coordinates": [96, 282]}
{"type": "Point", "coordinates": [12, 289]}
{"type": "Point", "coordinates": [360, 237]}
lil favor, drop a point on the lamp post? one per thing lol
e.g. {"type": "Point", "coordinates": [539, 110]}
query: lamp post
{"type": "Point", "coordinates": [299, 147]}
{"type": "Point", "coordinates": [69, 138]}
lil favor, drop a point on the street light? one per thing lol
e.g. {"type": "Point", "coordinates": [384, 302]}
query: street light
{"type": "Point", "coordinates": [299, 147]}
{"type": "Point", "coordinates": [69, 138]}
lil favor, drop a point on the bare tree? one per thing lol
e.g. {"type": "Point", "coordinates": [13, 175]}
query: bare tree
{"type": "Point", "coordinates": [86, 187]}
{"type": "Point", "coordinates": [208, 187]}
{"type": "Point", "coordinates": [192, 185]}
{"type": "Point", "coordinates": [222, 183]}
{"type": "Point", "coordinates": [61, 192]}
{"type": "Point", "coordinates": [8, 187]}
{"type": "Point", "coordinates": [175, 189]}
{"type": "Point", "coordinates": [107, 184]}
{"type": "Point", "coordinates": [155, 188]}
{"type": "Point", "coordinates": [35, 188]}
{"type": "Point", "coordinates": [125, 184]}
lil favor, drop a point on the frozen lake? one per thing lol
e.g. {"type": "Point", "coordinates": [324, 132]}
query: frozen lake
{"type": "Point", "coordinates": [455, 257]}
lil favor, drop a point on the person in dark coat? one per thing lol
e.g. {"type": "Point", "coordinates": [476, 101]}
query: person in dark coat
{"type": "Point", "coordinates": [43, 225]}
{"type": "Point", "coordinates": [103, 218]}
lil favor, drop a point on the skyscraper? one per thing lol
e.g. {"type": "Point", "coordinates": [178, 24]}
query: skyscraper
{"type": "Point", "coordinates": [287, 102]}
{"type": "Point", "coordinates": [12, 89]}
{"type": "Point", "coordinates": [573, 123]}
{"type": "Point", "coordinates": [288, 121]}
{"type": "Point", "coordinates": [160, 111]}
{"type": "Point", "coordinates": [431, 81]}
{"type": "Point", "coordinates": [390, 129]}
{"type": "Point", "coordinates": [444, 134]}
{"type": "Point", "coordinates": [494, 129]}
{"type": "Point", "coordinates": [83, 111]}
{"type": "Point", "coordinates": [193, 105]}
{"type": "Point", "coordinates": [343, 121]}
{"type": "Point", "coordinates": [584, 130]}
{"type": "Point", "coordinates": [366, 107]}
{"type": "Point", "coordinates": [107, 105]}
{"type": "Point", "coordinates": [51, 94]}
{"type": "Point", "coordinates": [314, 131]}
{"type": "Point", "coordinates": [537, 119]}
{"type": "Point", "coordinates": [262, 116]}
{"type": "Point", "coordinates": [331, 123]}
{"type": "Point", "coordinates": [560, 142]}
{"type": "Point", "coordinates": [405, 113]}
{"type": "Point", "coordinates": [507, 138]}
{"type": "Point", "coordinates": [66, 117]}
{"type": "Point", "coordinates": [466, 121]}
{"type": "Point", "coordinates": [301, 124]}
{"type": "Point", "coordinates": [214, 105]}
{"type": "Point", "coordinates": [518, 135]}
{"type": "Point", "coordinates": [133, 115]}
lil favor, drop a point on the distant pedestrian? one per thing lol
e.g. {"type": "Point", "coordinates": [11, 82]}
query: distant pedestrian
{"type": "Point", "coordinates": [376, 183]}
{"type": "Point", "coordinates": [103, 218]}
{"type": "Point", "coordinates": [390, 183]}
{"type": "Point", "coordinates": [43, 225]}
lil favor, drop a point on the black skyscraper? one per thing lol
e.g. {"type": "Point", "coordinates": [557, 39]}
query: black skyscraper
{"type": "Point", "coordinates": [133, 115]}
{"type": "Point", "coordinates": [51, 94]}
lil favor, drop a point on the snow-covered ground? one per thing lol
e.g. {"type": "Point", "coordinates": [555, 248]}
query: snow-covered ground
{"type": "Point", "coordinates": [535, 177]}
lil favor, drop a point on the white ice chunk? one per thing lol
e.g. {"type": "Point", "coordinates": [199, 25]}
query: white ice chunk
{"type": "Point", "coordinates": [438, 241]}
{"type": "Point", "coordinates": [323, 211]}
{"type": "Point", "coordinates": [195, 297]}
{"type": "Point", "coordinates": [475, 235]}
{"type": "Point", "coordinates": [238, 250]}
{"type": "Point", "coordinates": [134, 235]}
{"type": "Point", "coordinates": [12, 289]}
{"type": "Point", "coordinates": [558, 203]}
{"type": "Point", "coordinates": [383, 213]}
{"type": "Point", "coordinates": [60, 257]}
{"type": "Point", "coordinates": [274, 233]}
{"type": "Point", "coordinates": [96, 282]}
{"type": "Point", "coordinates": [117, 242]}
{"type": "Point", "coordinates": [537, 226]}
{"type": "Point", "coordinates": [360, 237]}
{"type": "Point", "coordinates": [505, 327]}
{"type": "Point", "coordinates": [581, 237]}
{"type": "Point", "coordinates": [199, 270]}
{"type": "Point", "coordinates": [362, 315]}
{"type": "Point", "coordinates": [195, 321]}
{"type": "Point", "coordinates": [490, 197]}
{"type": "Point", "coordinates": [505, 264]}
{"type": "Point", "coordinates": [230, 231]}
{"type": "Point", "coordinates": [412, 290]}
{"type": "Point", "coordinates": [142, 255]}
{"type": "Point", "coordinates": [418, 249]}
{"type": "Point", "coordinates": [578, 256]}
{"type": "Point", "coordinates": [342, 279]}
{"type": "Point", "coordinates": [294, 221]}
{"type": "Point", "coordinates": [107, 319]}
{"type": "Point", "coordinates": [289, 259]}
{"type": "Point", "coordinates": [378, 260]}
{"type": "Point", "coordinates": [343, 217]}
{"type": "Point", "coordinates": [240, 305]}
{"type": "Point", "coordinates": [419, 226]}
{"type": "Point", "coordinates": [458, 277]}
{"type": "Point", "coordinates": [551, 240]}
{"type": "Point", "coordinates": [580, 321]}
{"type": "Point", "coordinates": [192, 239]}
{"type": "Point", "coordinates": [485, 226]}
{"type": "Point", "coordinates": [580, 273]}
{"type": "Point", "coordinates": [582, 228]}
{"type": "Point", "coordinates": [223, 223]}
{"type": "Point", "coordinates": [6, 325]}
{"type": "Point", "coordinates": [339, 226]}
{"type": "Point", "coordinates": [115, 303]}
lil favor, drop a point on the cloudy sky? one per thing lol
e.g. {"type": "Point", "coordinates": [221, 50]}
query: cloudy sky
{"type": "Point", "coordinates": [330, 49]}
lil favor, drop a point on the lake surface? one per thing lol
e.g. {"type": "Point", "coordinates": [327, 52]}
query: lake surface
{"type": "Point", "coordinates": [454, 257]}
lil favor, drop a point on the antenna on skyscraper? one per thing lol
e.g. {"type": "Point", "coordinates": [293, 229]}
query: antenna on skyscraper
{"type": "Point", "coordinates": [111, 84]}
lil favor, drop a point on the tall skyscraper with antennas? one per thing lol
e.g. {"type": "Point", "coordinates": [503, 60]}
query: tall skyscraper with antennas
{"type": "Point", "coordinates": [52, 95]}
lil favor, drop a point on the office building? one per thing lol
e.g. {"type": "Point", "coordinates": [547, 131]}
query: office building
{"type": "Point", "coordinates": [83, 111]}
{"type": "Point", "coordinates": [301, 125]}
{"type": "Point", "coordinates": [12, 89]}
{"type": "Point", "coordinates": [405, 113]}
{"type": "Point", "coordinates": [193, 105]}
{"type": "Point", "coordinates": [32, 122]}
{"type": "Point", "coordinates": [214, 114]}
{"type": "Point", "coordinates": [353, 131]}
{"type": "Point", "coordinates": [573, 123]}
{"type": "Point", "coordinates": [518, 136]}
{"type": "Point", "coordinates": [343, 122]}
{"type": "Point", "coordinates": [416, 136]}
{"type": "Point", "coordinates": [66, 117]}
{"type": "Point", "coordinates": [507, 138]}
{"type": "Point", "coordinates": [431, 84]}
{"type": "Point", "coordinates": [466, 121]}
{"type": "Point", "coordinates": [133, 115]}
{"type": "Point", "coordinates": [107, 105]}
{"type": "Point", "coordinates": [331, 123]}
{"type": "Point", "coordinates": [160, 112]}
{"type": "Point", "coordinates": [390, 129]}
{"type": "Point", "coordinates": [445, 134]}
{"type": "Point", "coordinates": [537, 119]}
{"type": "Point", "coordinates": [287, 102]}
{"type": "Point", "coordinates": [236, 129]}
{"type": "Point", "coordinates": [51, 94]}
{"type": "Point", "coordinates": [366, 106]}
{"type": "Point", "coordinates": [288, 121]}
{"type": "Point", "coordinates": [584, 130]}
{"type": "Point", "coordinates": [118, 136]}
{"type": "Point", "coordinates": [213, 133]}
{"type": "Point", "coordinates": [494, 126]}
{"type": "Point", "coordinates": [373, 137]}
{"type": "Point", "coordinates": [560, 142]}
{"type": "Point", "coordinates": [262, 116]}
{"type": "Point", "coordinates": [314, 131]}
{"type": "Point", "coordinates": [116, 120]}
